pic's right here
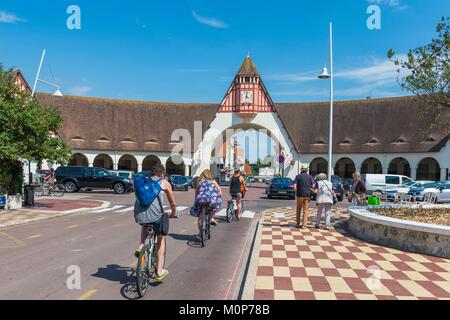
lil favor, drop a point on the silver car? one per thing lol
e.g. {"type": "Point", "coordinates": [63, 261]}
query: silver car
{"type": "Point", "coordinates": [442, 192]}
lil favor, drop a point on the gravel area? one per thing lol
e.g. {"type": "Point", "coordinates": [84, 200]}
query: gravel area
{"type": "Point", "coordinates": [435, 216]}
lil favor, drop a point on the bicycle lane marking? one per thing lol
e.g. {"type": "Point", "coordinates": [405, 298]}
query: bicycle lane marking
{"type": "Point", "coordinates": [87, 294]}
{"type": "Point", "coordinates": [19, 243]}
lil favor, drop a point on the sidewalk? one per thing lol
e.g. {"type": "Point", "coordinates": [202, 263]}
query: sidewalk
{"type": "Point", "coordinates": [48, 208]}
{"type": "Point", "coordinates": [288, 263]}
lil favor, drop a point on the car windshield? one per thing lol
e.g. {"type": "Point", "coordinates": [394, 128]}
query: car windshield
{"type": "Point", "coordinates": [124, 174]}
{"type": "Point", "coordinates": [431, 185]}
{"type": "Point", "coordinates": [178, 179]}
{"type": "Point", "coordinates": [409, 183]}
{"type": "Point", "coordinates": [282, 180]}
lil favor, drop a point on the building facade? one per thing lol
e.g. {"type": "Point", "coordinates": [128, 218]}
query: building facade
{"type": "Point", "coordinates": [371, 136]}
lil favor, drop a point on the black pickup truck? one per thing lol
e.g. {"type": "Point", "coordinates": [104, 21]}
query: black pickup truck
{"type": "Point", "coordinates": [76, 178]}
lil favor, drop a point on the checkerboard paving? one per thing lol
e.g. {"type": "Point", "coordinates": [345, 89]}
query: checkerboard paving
{"type": "Point", "coordinates": [328, 265]}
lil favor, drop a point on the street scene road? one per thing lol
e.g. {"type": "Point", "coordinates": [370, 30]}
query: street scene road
{"type": "Point", "coordinates": [35, 257]}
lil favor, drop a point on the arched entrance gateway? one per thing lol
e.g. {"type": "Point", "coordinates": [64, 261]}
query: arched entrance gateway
{"type": "Point", "coordinates": [78, 159]}
{"type": "Point", "coordinates": [149, 162]}
{"type": "Point", "coordinates": [103, 161]}
{"type": "Point", "coordinates": [175, 166]}
{"type": "Point", "coordinates": [400, 166]}
{"type": "Point", "coordinates": [371, 165]}
{"type": "Point", "coordinates": [318, 165]}
{"type": "Point", "coordinates": [246, 106]}
{"type": "Point", "coordinates": [128, 163]}
{"type": "Point", "coordinates": [345, 167]}
{"type": "Point", "coordinates": [429, 169]}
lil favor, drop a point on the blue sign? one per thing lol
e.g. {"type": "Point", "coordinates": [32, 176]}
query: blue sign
{"type": "Point", "coordinates": [281, 158]}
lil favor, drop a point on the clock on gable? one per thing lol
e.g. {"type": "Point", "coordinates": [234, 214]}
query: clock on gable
{"type": "Point", "coordinates": [246, 96]}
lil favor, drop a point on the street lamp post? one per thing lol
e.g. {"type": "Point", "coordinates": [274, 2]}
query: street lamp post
{"type": "Point", "coordinates": [330, 76]}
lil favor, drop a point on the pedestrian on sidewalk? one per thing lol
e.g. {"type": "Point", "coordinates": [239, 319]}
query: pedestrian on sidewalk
{"type": "Point", "coordinates": [358, 194]}
{"type": "Point", "coordinates": [304, 185]}
{"type": "Point", "coordinates": [324, 200]}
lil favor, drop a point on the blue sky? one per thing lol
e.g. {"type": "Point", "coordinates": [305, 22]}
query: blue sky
{"type": "Point", "coordinates": [189, 50]}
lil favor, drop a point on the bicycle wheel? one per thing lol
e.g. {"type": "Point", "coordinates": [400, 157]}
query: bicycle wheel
{"type": "Point", "coordinates": [242, 206]}
{"type": "Point", "coordinates": [142, 272]}
{"type": "Point", "coordinates": [58, 190]}
{"type": "Point", "coordinates": [230, 212]}
{"type": "Point", "coordinates": [208, 226]}
{"type": "Point", "coordinates": [39, 191]}
{"type": "Point", "coordinates": [203, 229]}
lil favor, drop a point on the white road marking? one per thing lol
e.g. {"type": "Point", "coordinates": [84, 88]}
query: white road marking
{"type": "Point", "coordinates": [248, 214]}
{"type": "Point", "coordinates": [279, 215]}
{"type": "Point", "coordinates": [108, 209]}
{"type": "Point", "coordinates": [222, 213]}
{"type": "Point", "coordinates": [126, 209]}
{"type": "Point", "coordinates": [179, 209]}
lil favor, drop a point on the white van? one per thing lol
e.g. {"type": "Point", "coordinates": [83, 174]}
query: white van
{"type": "Point", "coordinates": [385, 182]}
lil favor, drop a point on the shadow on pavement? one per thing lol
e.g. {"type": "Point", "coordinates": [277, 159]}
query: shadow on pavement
{"type": "Point", "coordinates": [123, 275]}
{"type": "Point", "coordinates": [191, 240]}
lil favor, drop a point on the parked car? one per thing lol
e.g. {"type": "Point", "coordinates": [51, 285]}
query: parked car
{"type": "Point", "coordinates": [386, 183]}
{"type": "Point", "coordinates": [122, 173]}
{"type": "Point", "coordinates": [180, 183]}
{"type": "Point", "coordinates": [76, 178]}
{"type": "Point", "coordinates": [348, 186]}
{"type": "Point", "coordinates": [191, 181]}
{"type": "Point", "coordinates": [442, 192]}
{"type": "Point", "coordinates": [281, 187]}
{"type": "Point", "coordinates": [418, 190]}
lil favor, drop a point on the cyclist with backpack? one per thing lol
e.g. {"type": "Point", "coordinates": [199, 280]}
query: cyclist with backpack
{"type": "Point", "coordinates": [237, 189]}
{"type": "Point", "coordinates": [207, 193]}
{"type": "Point", "coordinates": [149, 210]}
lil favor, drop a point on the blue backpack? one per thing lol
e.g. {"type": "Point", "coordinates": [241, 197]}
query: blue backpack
{"type": "Point", "coordinates": [146, 190]}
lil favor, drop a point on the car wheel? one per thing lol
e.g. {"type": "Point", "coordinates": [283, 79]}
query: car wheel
{"type": "Point", "coordinates": [70, 186]}
{"type": "Point", "coordinates": [119, 188]}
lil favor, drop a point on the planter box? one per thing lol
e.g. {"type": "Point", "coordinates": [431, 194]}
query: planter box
{"type": "Point", "coordinates": [13, 202]}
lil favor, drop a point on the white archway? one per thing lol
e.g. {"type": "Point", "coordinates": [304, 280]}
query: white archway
{"type": "Point", "coordinates": [224, 126]}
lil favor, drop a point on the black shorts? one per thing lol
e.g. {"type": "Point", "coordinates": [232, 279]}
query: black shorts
{"type": "Point", "coordinates": [161, 226]}
{"type": "Point", "coordinates": [236, 195]}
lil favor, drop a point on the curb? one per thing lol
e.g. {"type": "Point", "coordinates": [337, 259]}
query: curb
{"type": "Point", "coordinates": [105, 204]}
{"type": "Point", "coordinates": [249, 279]}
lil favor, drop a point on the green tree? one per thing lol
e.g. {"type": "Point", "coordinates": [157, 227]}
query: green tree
{"type": "Point", "coordinates": [256, 166]}
{"type": "Point", "coordinates": [428, 74]}
{"type": "Point", "coordinates": [24, 133]}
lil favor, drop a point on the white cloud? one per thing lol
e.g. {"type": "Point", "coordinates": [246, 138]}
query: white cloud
{"type": "Point", "coordinates": [380, 71]}
{"type": "Point", "coordinates": [6, 17]}
{"type": "Point", "coordinates": [212, 22]}
{"type": "Point", "coordinates": [390, 3]}
{"type": "Point", "coordinates": [293, 77]}
{"type": "Point", "coordinates": [79, 90]}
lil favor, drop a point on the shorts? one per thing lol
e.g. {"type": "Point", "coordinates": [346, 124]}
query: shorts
{"type": "Point", "coordinates": [161, 226]}
{"type": "Point", "coordinates": [236, 195]}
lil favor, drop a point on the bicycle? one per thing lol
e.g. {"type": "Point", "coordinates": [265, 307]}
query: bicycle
{"type": "Point", "coordinates": [146, 266]}
{"type": "Point", "coordinates": [56, 190]}
{"type": "Point", "coordinates": [205, 228]}
{"type": "Point", "coordinates": [232, 207]}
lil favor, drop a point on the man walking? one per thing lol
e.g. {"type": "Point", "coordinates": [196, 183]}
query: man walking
{"type": "Point", "coordinates": [304, 185]}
